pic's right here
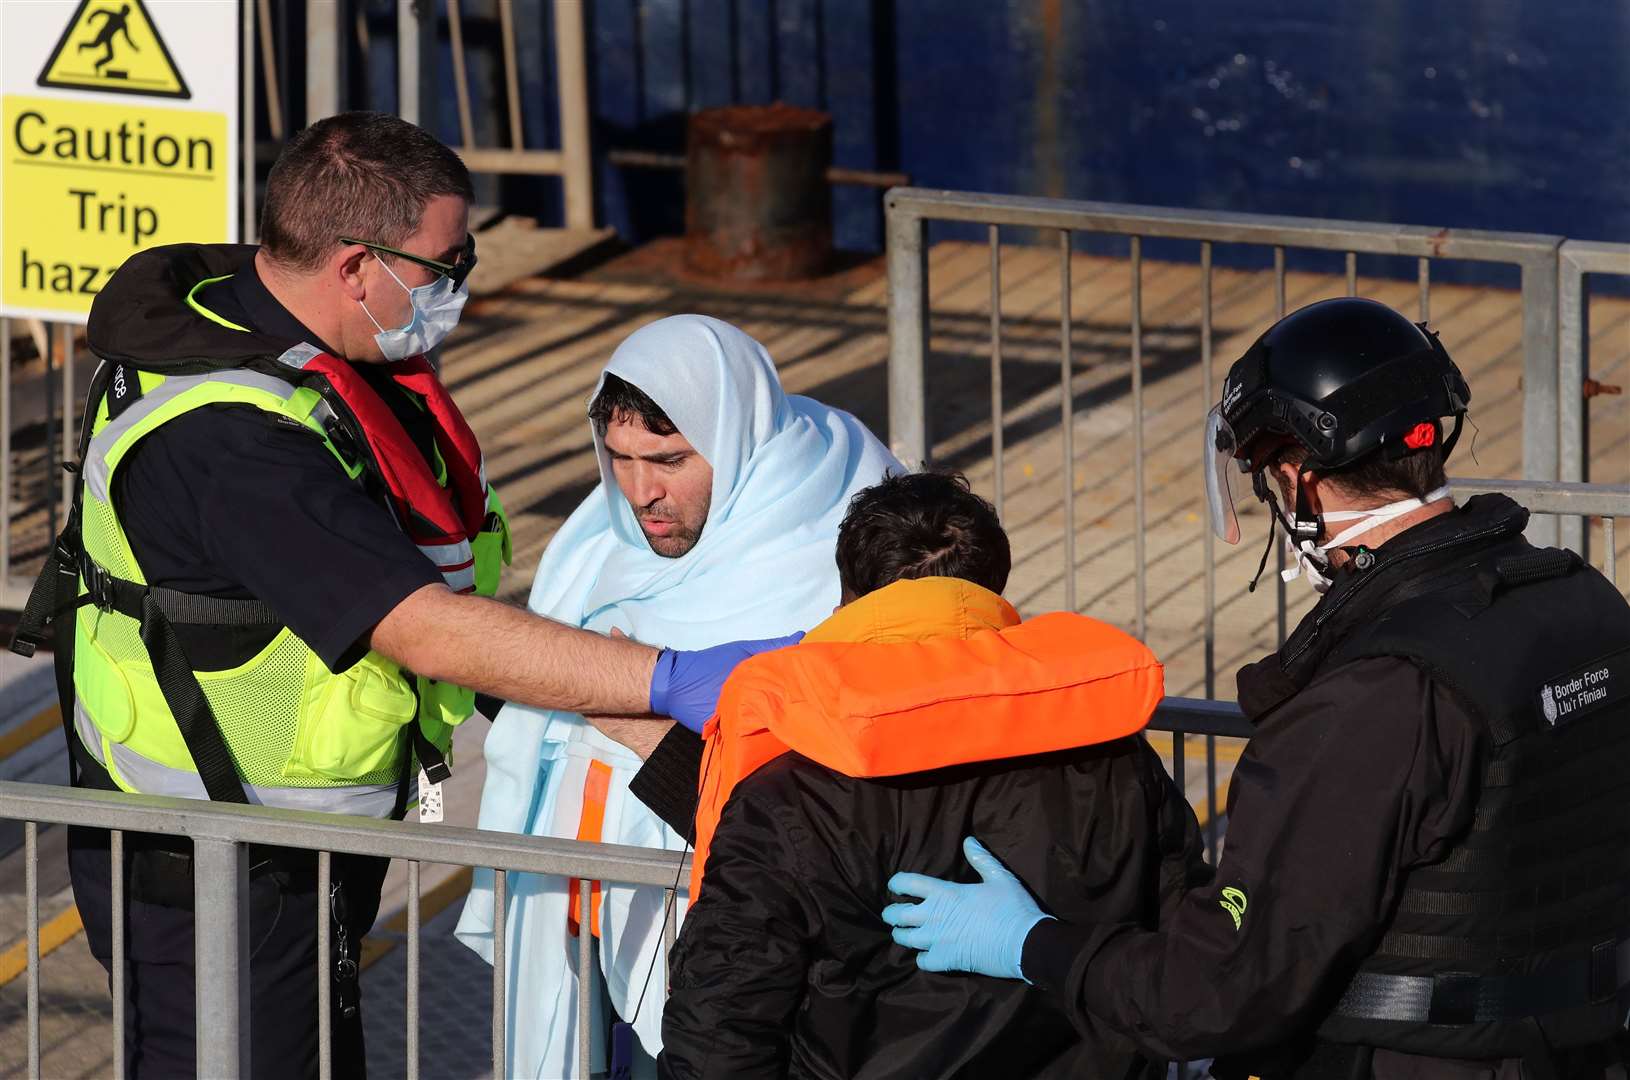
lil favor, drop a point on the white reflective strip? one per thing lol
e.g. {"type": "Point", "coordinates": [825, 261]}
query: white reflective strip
{"type": "Point", "coordinates": [151, 778]}
{"type": "Point", "coordinates": [298, 356]}
{"type": "Point", "coordinates": [460, 580]}
{"type": "Point", "coordinates": [96, 463]}
{"type": "Point", "coordinates": [448, 554]}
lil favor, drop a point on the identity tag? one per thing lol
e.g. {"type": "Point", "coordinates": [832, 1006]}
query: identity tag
{"type": "Point", "coordinates": [429, 799]}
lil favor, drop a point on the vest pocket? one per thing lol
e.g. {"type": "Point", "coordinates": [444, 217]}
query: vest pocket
{"type": "Point", "coordinates": [351, 723]}
{"type": "Point", "coordinates": [100, 685]}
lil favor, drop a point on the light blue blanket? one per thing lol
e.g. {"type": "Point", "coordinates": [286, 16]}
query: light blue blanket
{"type": "Point", "coordinates": [784, 468]}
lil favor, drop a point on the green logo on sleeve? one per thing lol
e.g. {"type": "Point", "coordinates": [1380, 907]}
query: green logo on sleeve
{"type": "Point", "coordinates": [1233, 902]}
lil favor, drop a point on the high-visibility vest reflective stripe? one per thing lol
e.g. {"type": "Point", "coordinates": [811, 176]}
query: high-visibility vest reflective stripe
{"type": "Point", "coordinates": [299, 734]}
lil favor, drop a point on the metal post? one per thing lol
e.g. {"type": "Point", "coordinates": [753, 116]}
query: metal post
{"type": "Point", "coordinates": [670, 931]}
{"type": "Point", "coordinates": [500, 967]}
{"type": "Point", "coordinates": [1139, 552]}
{"type": "Point", "coordinates": [1423, 278]}
{"type": "Point", "coordinates": [116, 864]}
{"type": "Point", "coordinates": [908, 338]}
{"type": "Point", "coordinates": [413, 971]}
{"type": "Point", "coordinates": [246, 119]}
{"type": "Point", "coordinates": [1610, 559]}
{"type": "Point", "coordinates": [69, 450]}
{"type": "Point", "coordinates": [1541, 448]}
{"type": "Point", "coordinates": [585, 972]}
{"type": "Point", "coordinates": [325, 966]}
{"type": "Point", "coordinates": [577, 176]}
{"type": "Point", "coordinates": [221, 924]}
{"type": "Point", "coordinates": [1573, 417]}
{"type": "Point", "coordinates": [50, 433]}
{"type": "Point", "coordinates": [512, 75]}
{"type": "Point", "coordinates": [31, 897]}
{"type": "Point", "coordinates": [6, 477]}
{"type": "Point", "coordinates": [1352, 273]}
{"type": "Point", "coordinates": [1279, 549]}
{"type": "Point", "coordinates": [1208, 397]}
{"type": "Point", "coordinates": [997, 414]}
{"type": "Point", "coordinates": [325, 59]}
{"type": "Point", "coordinates": [415, 45]}
{"type": "Point", "coordinates": [461, 85]}
{"type": "Point", "coordinates": [1067, 414]}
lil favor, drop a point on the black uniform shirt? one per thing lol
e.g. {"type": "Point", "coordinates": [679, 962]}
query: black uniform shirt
{"type": "Point", "coordinates": [1373, 769]}
{"type": "Point", "coordinates": [230, 501]}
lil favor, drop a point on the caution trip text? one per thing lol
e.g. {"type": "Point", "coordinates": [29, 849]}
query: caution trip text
{"type": "Point", "coordinates": [88, 184]}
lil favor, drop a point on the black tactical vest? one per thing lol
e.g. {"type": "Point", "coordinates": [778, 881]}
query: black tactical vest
{"type": "Point", "coordinates": [1517, 943]}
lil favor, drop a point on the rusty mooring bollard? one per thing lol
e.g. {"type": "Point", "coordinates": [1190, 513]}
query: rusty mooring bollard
{"type": "Point", "coordinates": [757, 203]}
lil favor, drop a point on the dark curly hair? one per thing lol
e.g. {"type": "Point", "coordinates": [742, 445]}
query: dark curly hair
{"type": "Point", "coordinates": [917, 525]}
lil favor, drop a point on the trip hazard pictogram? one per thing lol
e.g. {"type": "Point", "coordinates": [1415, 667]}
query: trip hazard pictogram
{"type": "Point", "coordinates": [113, 45]}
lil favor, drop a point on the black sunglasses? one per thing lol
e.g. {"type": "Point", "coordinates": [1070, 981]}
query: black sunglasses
{"type": "Point", "coordinates": [455, 271]}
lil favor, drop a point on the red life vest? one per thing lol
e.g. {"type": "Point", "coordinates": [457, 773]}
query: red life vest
{"type": "Point", "coordinates": [441, 520]}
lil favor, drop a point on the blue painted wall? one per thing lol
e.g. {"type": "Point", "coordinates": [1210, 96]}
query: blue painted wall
{"type": "Point", "coordinates": [1494, 114]}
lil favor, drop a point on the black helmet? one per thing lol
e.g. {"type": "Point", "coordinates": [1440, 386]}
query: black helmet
{"type": "Point", "coordinates": [1343, 378]}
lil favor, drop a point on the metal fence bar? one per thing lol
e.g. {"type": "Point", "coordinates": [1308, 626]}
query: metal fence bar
{"type": "Point", "coordinates": [1543, 497]}
{"type": "Point", "coordinates": [1139, 511]}
{"type": "Point", "coordinates": [246, 134]}
{"type": "Point", "coordinates": [69, 450]}
{"type": "Point", "coordinates": [1423, 280]}
{"type": "Point", "coordinates": [325, 59]}
{"type": "Point", "coordinates": [461, 85]}
{"type": "Point", "coordinates": [325, 967]}
{"type": "Point", "coordinates": [1279, 549]}
{"type": "Point", "coordinates": [268, 60]}
{"type": "Point", "coordinates": [338, 833]}
{"type": "Point", "coordinates": [571, 75]}
{"type": "Point", "coordinates": [1267, 230]}
{"type": "Point", "coordinates": [1352, 273]}
{"type": "Point", "coordinates": [1573, 363]}
{"type": "Point", "coordinates": [221, 925]}
{"type": "Point", "coordinates": [908, 337]}
{"type": "Point", "coordinates": [670, 931]}
{"type": "Point", "coordinates": [1208, 396]}
{"type": "Point", "coordinates": [1610, 557]}
{"type": "Point", "coordinates": [512, 75]}
{"type": "Point", "coordinates": [585, 972]}
{"type": "Point", "coordinates": [1067, 415]}
{"type": "Point", "coordinates": [31, 900]}
{"type": "Point", "coordinates": [997, 432]}
{"type": "Point", "coordinates": [412, 1007]}
{"type": "Point", "coordinates": [1542, 449]}
{"type": "Point", "coordinates": [8, 597]}
{"type": "Point", "coordinates": [116, 896]}
{"type": "Point", "coordinates": [500, 966]}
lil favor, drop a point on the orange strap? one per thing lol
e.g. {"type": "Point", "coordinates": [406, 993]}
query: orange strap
{"type": "Point", "coordinates": [595, 787]}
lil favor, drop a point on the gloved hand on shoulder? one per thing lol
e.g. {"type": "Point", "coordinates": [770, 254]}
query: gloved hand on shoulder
{"type": "Point", "coordinates": [979, 928]}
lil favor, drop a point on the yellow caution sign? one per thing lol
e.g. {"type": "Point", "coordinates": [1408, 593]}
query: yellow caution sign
{"type": "Point", "coordinates": [106, 147]}
{"type": "Point", "coordinates": [112, 45]}
{"type": "Point", "coordinates": [87, 185]}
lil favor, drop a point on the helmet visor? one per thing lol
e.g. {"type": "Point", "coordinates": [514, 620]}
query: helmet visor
{"type": "Point", "coordinates": [1220, 466]}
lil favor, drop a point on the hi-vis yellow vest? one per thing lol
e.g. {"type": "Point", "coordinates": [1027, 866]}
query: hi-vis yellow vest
{"type": "Point", "coordinates": [300, 736]}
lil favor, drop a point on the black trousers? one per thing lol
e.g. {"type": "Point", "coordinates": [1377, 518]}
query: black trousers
{"type": "Point", "coordinates": [283, 906]}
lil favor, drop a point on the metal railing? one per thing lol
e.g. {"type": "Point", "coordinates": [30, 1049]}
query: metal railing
{"type": "Point", "coordinates": [1575, 260]}
{"type": "Point", "coordinates": [221, 835]}
{"type": "Point", "coordinates": [1554, 443]}
{"type": "Point", "coordinates": [910, 209]}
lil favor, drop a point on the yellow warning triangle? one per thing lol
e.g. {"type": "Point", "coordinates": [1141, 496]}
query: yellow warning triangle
{"type": "Point", "coordinates": [113, 45]}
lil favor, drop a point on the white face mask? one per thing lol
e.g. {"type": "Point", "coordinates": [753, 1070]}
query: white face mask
{"type": "Point", "coordinates": [1313, 559]}
{"type": "Point", "coordinates": [435, 309]}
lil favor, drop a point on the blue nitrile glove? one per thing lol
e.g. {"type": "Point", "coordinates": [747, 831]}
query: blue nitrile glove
{"type": "Point", "coordinates": [686, 684]}
{"type": "Point", "coordinates": [979, 928]}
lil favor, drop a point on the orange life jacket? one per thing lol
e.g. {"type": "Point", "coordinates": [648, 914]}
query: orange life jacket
{"type": "Point", "coordinates": [924, 674]}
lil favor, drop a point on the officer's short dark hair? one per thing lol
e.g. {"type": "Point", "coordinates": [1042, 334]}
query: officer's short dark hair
{"type": "Point", "coordinates": [620, 399]}
{"type": "Point", "coordinates": [917, 525]}
{"type": "Point", "coordinates": [367, 175]}
{"type": "Point", "coordinates": [1376, 475]}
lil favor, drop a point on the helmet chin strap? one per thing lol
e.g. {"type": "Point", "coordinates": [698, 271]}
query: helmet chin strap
{"type": "Point", "coordinates": [1306, 525]}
